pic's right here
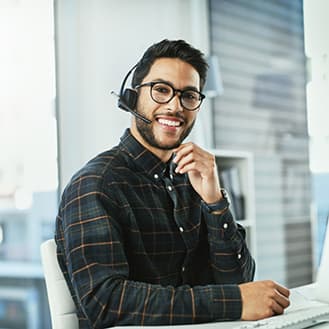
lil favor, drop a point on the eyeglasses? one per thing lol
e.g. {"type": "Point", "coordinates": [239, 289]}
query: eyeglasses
{"type": "Point", "coordinates": [163, 92]}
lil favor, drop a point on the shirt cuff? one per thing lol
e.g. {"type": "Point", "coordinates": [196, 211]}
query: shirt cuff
{"type": "Point", "coordinates": [222, 224]}
{"type": "Point", "coordinates": [227, 302]}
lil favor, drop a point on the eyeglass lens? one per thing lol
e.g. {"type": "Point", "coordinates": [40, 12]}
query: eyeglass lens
{"type": "Point", "coordinates": [163, 93]}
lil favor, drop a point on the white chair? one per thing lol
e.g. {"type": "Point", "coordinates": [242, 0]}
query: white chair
{"type": "Point", "coordinates": [61, 305]}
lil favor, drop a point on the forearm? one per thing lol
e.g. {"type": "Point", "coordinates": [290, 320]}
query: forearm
{"type": "Point", "coordinates": [228, 250]}
{"type": "Point", "coordinates": [122, 302]}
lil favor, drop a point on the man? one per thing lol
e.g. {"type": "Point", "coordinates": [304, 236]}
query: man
{"type": "Point", "coordinates": [144, 231]}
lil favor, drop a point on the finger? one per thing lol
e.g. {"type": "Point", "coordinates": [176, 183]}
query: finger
{"type": "Point", "coordinates": [276, 308]}
{"type": "Point", "coordinates": [182, 151]}
{"type": "Point", "coordinates": [282, 300]}
{"type": "Point", "coordinates": [189, 158]}
{"type": "Point", "coordinates": [182, 146]}
{"type": "Point", "coordinates": [274, 285]}
{"type": "Point", "coordinates": [282, 290]}
{"type": "Point", "coordinates": [188, 168]}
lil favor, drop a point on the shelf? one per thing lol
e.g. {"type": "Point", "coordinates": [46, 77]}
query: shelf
{"type": "Point", "coordinates": [236, 173]}
{"type": "Point", "coordinates": [26, 270]}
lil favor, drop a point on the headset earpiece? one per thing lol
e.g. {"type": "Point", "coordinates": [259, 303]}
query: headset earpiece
{"type": "Point", "coordinates": [128, 98]}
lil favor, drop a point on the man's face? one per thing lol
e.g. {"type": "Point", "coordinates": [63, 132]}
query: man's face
{"type": "Point", "coordinates": [171, 123]}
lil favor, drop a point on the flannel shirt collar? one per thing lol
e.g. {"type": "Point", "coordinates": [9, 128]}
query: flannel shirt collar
{"type": "Point", "coordinates": [143, 158]}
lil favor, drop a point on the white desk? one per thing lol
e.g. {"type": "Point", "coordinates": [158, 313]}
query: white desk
{"type": "Point", "coordinates": [301, 298]}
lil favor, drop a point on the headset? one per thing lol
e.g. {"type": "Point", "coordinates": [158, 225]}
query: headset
{"type": "Point", "coordinates": [127, 99]}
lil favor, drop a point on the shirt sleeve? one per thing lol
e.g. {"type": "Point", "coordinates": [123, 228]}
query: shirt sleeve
{"type": "Point", "coordinates": [228, 249]}
{"type": "Point", "coordinates": [93, 247]}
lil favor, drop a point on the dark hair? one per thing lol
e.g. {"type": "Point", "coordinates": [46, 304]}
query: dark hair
{"type": "Point", "coordinates": [171, 49]}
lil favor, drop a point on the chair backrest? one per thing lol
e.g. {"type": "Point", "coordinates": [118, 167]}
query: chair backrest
{"type": "Point", "coordinates": [62, 308]}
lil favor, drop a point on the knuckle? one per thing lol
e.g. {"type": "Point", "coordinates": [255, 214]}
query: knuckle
{"type": "Point", "coordinates": [268, 312]}
{"type": "Point", "coordinates": [191, 145]}
{"type": "Point", "coordinates": [191, 158]}
{"type": "Point", "coordinates": [270, 283]}
{"type": "Point", "coordinates": [271, 304]}
{"type": "Point", "coordinates": [272, 294]}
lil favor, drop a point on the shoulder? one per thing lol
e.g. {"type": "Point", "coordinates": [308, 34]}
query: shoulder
{"type": "Point", "coordinates": [103, 169]}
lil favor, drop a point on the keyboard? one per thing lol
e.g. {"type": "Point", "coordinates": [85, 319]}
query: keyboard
{"type": "Point", "coordinates": [299, 319]}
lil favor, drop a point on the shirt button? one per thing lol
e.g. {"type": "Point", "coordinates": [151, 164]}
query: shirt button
{"type": "Point", "coordinates": [181, 229]}
{"type": "Point", "coordinates": [169, 188]}
{"type": "Point", "coordinates": [171, 176]}
{"type": "Point", "coordinates": [239, 256]}
{"type": "Point", "coordinates": [183, 269]}
{"type": "Point", "coordinates": [225, 226]}
{"type": "Point", "coordinates": [156, 176]}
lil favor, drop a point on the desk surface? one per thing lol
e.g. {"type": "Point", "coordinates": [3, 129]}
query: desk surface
{"type": "Point", "coordinates": [301, 298]}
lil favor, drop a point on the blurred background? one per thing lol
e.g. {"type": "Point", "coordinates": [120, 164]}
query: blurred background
{"type": "Point", "coordinates": [265, 117]}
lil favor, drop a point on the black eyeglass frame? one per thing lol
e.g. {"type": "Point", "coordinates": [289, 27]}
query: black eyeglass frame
{"type": "Point", "coordinates": [153, 83]}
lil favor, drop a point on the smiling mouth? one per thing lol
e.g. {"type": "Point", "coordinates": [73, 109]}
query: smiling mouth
{"type": "Point", "coordinates": [170, 123]}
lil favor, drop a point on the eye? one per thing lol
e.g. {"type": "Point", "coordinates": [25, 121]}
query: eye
{"type": "Point", "coordinates": [190, 95]}
{"type": "Point", "coordinates": [162, 89]}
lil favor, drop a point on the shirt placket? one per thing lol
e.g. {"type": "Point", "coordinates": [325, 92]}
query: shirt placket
{"type": "Point", "coordinates": [169, 182]}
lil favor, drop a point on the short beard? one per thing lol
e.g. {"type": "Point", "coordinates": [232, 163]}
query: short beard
{"type": "Point", "coordinates": [145, 130]}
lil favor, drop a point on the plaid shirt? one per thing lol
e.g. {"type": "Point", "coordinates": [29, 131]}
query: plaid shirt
{"type": "Point", "coordinates": [137, 245]}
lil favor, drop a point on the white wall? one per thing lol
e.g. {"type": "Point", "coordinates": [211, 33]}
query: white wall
{"type": "Point", "coordinates": [317, 49]}
{"type": "Point", "coordinates": [97, 42]}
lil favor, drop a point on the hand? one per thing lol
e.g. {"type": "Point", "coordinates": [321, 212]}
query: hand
{"type": "Point", "coordinates": [262, 299]}
{"type": "Point", "coordinates": [201, 169]}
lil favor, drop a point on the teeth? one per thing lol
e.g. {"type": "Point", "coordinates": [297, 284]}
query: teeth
{"type": "Point", "coordinates": [169, 123]}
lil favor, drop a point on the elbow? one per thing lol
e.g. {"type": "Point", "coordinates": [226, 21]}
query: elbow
{"type": "Point", "coordinates": [101, 305]}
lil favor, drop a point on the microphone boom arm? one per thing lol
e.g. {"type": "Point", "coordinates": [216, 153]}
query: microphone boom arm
{"type": "Point", "coordinates": [128, 109]}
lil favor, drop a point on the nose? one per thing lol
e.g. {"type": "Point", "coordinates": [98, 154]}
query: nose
{"type": "Point", "coordinates": [174, 105]}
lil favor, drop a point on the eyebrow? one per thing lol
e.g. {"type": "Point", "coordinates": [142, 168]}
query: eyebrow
{"type": "Point", "coordinates": [170, 83]}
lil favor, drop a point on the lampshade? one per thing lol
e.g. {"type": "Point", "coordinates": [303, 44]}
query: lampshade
{"type": "Point", "coordinates": [214, 85]}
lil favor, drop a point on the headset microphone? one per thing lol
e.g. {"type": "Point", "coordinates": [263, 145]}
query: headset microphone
{"type": "Point", "coordinates": [127, 100]}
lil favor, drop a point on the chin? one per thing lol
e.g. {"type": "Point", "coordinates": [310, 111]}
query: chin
{"type": "Point", "coordinates": [169, 146]}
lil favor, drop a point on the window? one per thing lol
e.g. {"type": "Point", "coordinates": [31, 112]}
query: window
{"type": "Point", "coordinates": [28, 157]}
